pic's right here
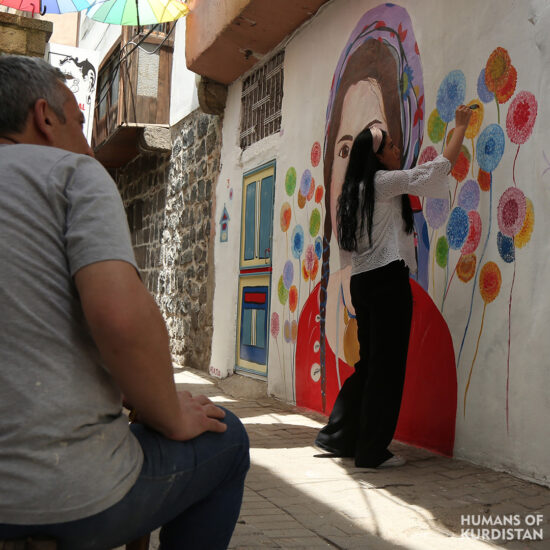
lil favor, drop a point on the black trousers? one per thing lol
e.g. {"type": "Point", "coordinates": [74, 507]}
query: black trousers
{"type": "Point", "coordinates": [364, 417]}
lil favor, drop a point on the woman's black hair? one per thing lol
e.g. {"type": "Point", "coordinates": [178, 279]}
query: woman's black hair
{"type": "Point", "coordinates": [362, 166]}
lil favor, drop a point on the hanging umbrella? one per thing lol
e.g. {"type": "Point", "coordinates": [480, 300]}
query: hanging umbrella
{"type": "Point", "coordinates": [137, 12]}
{"type": "Point", "coordinates": [47, 6]}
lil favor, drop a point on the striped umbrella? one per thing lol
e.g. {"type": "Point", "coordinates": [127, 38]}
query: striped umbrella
{"type": "Point", "coordinates": [47, 6]}
{"type": "Point", "coordinates": [137, 12]}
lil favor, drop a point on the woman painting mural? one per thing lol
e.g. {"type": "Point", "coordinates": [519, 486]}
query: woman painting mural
{"type": "Point", "coordinates": [378, 80]}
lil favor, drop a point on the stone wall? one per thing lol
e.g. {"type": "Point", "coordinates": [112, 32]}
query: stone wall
{"type": "Point", "coordinates": [168, 201]}
{"type": "Point", "coordinates": [23, 35]}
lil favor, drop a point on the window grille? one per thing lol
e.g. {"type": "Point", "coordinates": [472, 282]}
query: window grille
{"type": "Point", "coordinates": [261, 101]}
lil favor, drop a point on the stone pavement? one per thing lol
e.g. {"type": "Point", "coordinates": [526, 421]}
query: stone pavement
{"type": "Point", "coordinates": [294, 499]}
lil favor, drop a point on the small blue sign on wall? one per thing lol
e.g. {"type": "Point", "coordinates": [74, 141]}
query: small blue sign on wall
{"type": "Point", "coordinates": [224, 225]}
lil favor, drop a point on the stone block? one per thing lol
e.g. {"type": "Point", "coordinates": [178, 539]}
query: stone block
{"type": "Point", "coordinates": [13, 41]}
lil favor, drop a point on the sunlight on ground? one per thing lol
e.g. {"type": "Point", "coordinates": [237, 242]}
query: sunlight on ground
{"type": "Point", "coordinates": [188, 378]}
{"type": "Point", "coordinates": [282, 419]}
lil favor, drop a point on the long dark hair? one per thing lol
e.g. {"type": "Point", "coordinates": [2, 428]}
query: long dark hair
{"type": "Point", "coordinates": [362, 166]}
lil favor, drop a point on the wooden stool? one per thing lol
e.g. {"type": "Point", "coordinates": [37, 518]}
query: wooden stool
{"type": "Point", "coordinates": [138, 544]}
{"type": "Point", "coordinates": [28, 544]}
{"type": "Point", "coordinates": [50, 544]}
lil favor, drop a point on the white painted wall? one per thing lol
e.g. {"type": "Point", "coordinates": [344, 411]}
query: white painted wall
{"type": "Point", "coordinates": [183, 98]}
{"type": "Point", "coordinates": [97, 36]}
{"type": "Point", "coordinates": [450, 35]}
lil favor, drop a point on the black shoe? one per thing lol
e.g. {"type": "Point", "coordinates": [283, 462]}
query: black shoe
{"type": "Point", "coordinates": [331, 452]}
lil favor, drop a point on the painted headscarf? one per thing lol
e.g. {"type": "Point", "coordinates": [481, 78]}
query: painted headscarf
{"type": "Point", "coordinates": [391, 25]}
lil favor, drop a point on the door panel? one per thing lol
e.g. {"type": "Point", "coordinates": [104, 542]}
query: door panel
{"type": "Point", "coordinates": [255, 271]}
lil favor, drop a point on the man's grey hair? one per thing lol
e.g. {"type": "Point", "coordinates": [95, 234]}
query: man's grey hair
{"type": "Point", "coordinates": [23, 81]}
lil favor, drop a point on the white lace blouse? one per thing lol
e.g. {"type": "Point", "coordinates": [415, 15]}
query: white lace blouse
{"type": "Point", "coordinates": [389, 240]}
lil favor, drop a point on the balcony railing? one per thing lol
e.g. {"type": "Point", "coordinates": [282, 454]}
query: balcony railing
{"type": "Point", "coordinates": [134, 84]}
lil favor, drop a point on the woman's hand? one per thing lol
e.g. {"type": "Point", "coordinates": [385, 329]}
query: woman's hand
{"type": "Point", "coordinates": [462, 116]}
{"type": "Point", "coordinates": [462, 119]}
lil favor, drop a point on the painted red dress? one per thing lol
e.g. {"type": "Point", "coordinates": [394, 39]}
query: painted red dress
{"type": "Point", "coordinates": [428, 406]}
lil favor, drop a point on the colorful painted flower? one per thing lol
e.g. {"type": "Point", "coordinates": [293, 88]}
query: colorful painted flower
{"type": "Point", "coordinates": [305, 272]}
{"type": "Point", "coordinates": [419, 113]}
{"type": "Point", "coordinates": [314, 222]}
{"type": "Point", "coordinates": [521, 117]}
{"type": "Point", "coordinates": [406, 80]}
{"type": "Point", "coordinates": [466, 267]}
{"type": "Point", "coordinates": [484, 94]}
{"type": "Point", "coordinates": [524, 235]}
{"type": "Point", "coordinates": [442, 251]}
{"type": "Point", "coordinates": [436, 211]}
{"type": "Point", "coordinates": [484, 180]}
{"type": "Point", "coordinates": [468, 197]}
{"type": "Point", "coordinates": [288, 273]}
{"type": "Point", "coordinates": [297, 241]}
{"type": "Point", "coordinates": [282, 291]}
{"type": "Point", "coordinates": [475, 120]}
{"type": "Point", "coordinates": [286, 332]}
{"type": "Point", "coordinates": [314, 269]}
{"type": "Point", "coordinates": [319, 193]}
{"type": "Point", "coordinates": [402, 33]}
{"type": "Point", "coordinates": [309, 258]}
{"type": "Point", "coordinates": [290, 181]}
{"type": "Point", "coordinates": [318, 247]}
{"type": "Point", "coordinates": [490, 147]}
{"type": "Point", "coordinates": [451, 94]}
{"type": "Point", "coordinates": [497, 69]}
{"type": "Point", "coordinates": [427, 154]}
{"type": "Point", "coordinates": [490, 280]}
{"type": "Point", "coordinates": [457, 228]}
{"type": "Point", "coordinates": [462, 165]}
{"type": "Point", "coordinates": [274, 325]}
{"type": "Point", "coordinates": [293, 331]}
{"type": "Point", "coordinates": [511, 211]}
{"type": "Point", "coordinates": [315, 154]}
{"type": "Point", "coordinates": [293, 298]}
{"type": "Point", "coordinates": [301, 199]}
{"type": "Point", "coordinates": [311, 189]}
{"type": "Point", "coordinates": [436, 127]}
{"type": "Point", "coordinates": [286, 215]}
{"type": "Point", "coordinates": [506, 91]}
{"type": "Point", "coordinates": [474, 233]}
{"type": "Point", "coordinates": [305, 183]}
{"type": "Point", "coordinates": [506, 248]}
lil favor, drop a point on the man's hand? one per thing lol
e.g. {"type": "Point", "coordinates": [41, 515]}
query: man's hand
{"type": "Point", "coordinates": [198, 415]}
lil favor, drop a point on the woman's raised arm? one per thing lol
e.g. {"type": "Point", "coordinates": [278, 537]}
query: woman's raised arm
{"type": "Point", "coordinates": [462, 118]}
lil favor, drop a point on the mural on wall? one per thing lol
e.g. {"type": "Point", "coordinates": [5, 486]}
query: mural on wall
{"type": "Point", "coordinates": [379, 74]}
{"type": "Point", "coordinates": [465, 243]}
{"type": "Point", "coordinates": [462, 224]}
{"type": "Point", "coordinates": [304, 250]}
{"type": "Point", "coordinates": [81, 67]}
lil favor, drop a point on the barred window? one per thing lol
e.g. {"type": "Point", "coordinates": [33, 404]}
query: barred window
{"type": "Point", "coordinates": [261, 101]}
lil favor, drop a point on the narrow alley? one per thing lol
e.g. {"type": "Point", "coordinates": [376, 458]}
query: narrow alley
{"type": "Point", "coordinates": [294, 499]}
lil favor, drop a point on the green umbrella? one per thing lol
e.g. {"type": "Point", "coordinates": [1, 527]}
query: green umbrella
{"type": "Point", "coordinates": [137, 12]}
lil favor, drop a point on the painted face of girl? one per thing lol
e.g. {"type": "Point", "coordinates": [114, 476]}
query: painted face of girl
{"type": "Point", "coordinates": [363, 105]}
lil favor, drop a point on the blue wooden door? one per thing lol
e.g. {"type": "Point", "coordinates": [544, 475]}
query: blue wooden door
{"type": "Point", "coordinates": [255, 271]}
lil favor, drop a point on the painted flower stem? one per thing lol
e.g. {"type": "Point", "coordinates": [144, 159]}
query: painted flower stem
{"type": "Point", "coordinates": [509, 343]}
{"type": "Point", "coordinates": [477, 270]}
{"type": "Point", "coordinates": [474, 359]}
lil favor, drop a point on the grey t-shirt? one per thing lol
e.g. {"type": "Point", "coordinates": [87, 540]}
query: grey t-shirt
{"type": "Point", "coordinates": [65, 448]}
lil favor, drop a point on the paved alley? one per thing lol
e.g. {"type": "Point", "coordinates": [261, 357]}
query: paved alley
{"type": "Point", "coordinates": [294, 499]}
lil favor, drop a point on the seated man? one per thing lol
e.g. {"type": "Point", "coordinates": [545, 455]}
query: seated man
{"type": "Point", "coordinates": [77, 330]}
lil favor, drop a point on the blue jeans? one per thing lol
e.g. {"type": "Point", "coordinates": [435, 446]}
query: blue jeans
{"type": "Point", "coordinates": [193, 489]}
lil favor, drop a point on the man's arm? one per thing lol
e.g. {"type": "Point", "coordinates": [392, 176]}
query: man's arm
{"type": "Point", "coordinates": [132, 339]}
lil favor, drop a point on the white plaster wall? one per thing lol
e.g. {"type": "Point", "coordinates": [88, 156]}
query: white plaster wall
{"type": "Point", "coordinates": [183, 98]}
{"type": "Point", "coordinates": [97, 36]}
{"type": "Point", "coordinates": [450, 35]}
